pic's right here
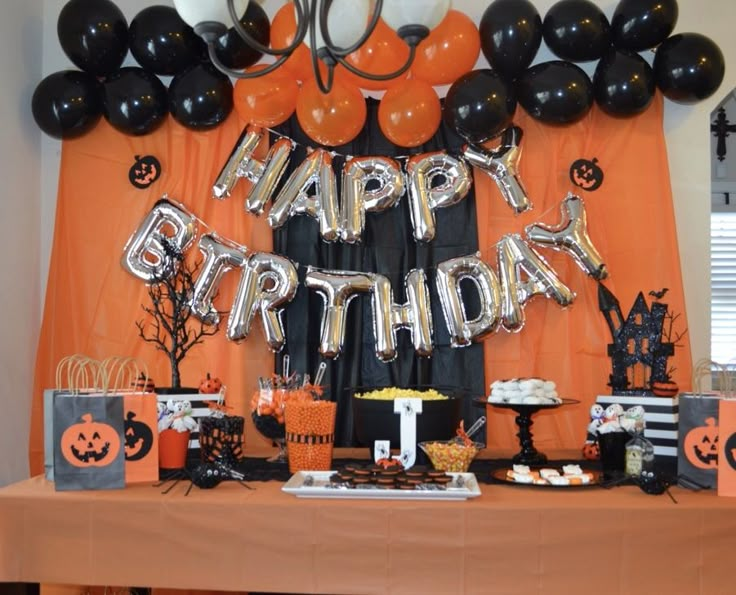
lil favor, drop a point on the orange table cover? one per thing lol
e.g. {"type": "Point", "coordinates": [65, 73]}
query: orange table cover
{"type": "Point", "coordinates": [510, 540]}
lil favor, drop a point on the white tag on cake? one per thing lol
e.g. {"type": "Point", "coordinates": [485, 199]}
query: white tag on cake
{"type": "Point", "coordinates": [381, 449]}
{"type": "Point", "coordinates": [408, 409]}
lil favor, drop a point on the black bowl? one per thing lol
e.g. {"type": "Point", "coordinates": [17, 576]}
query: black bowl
{"type": "Point", "coordinates": [375, 419]}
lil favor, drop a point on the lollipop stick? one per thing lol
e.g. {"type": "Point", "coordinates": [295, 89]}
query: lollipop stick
{"type": "Point", "coordinates": [285, 371]}
{"type": "Point", "coordinates": [320, 373]}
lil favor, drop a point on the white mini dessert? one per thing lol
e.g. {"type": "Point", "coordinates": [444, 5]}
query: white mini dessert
{"type": "Point", "coordinates": [530, 391]}
{"type": "Point", "coordinates": [547, 473]}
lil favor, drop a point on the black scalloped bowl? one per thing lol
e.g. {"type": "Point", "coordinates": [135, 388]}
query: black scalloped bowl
{"type": "Point", "coordinates": [375, 419]}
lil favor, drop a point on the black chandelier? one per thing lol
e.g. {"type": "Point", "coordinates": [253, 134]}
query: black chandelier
{"type": "Point", "coordinates": [332, 29]}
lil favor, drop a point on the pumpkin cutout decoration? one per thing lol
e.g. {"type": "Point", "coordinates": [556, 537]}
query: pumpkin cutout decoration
{"type": "Point", "coordinates": [210, 385]}
{"type": "Point", "coordinates": [90, 443]}
{"type": "Point", "coordinates": [665, 388]}
{"type": "Point", "coordinates": [701, 445]}
{"type": "Point", "coordinates": [586, 174]}
{"type": "Point", "coordinates": [138, 438]}
{"type": "Point", "coordinates": [144, 172]}
{"type": "Point", "coordinates": [591, 451]}
{"type": "Point", "coordinates": [729, 449]}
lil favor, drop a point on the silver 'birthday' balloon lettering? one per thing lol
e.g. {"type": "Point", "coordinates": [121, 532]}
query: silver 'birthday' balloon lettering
{"type": "Point", "coordinates": [516, 258]}
{"type": "Point", "coordinates": [571, 236]}
{"type": "Point", "coordinates": [415, 315]}
{"type": "Point", "coordinates": [154, 250]}
{"type": "Point", "coordinates": [220, 256]}
{"type": "Point", "coordinates": [338, 289]}
{"type": "Point", "coordinates": [268, 283]}
{"type": "Point", "coordinates": [450, 273]}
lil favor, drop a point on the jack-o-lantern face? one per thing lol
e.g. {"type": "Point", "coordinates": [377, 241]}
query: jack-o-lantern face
{"type": "Point", "coordinates": [591, 451]}
{"type": "Point", "coordinates": [729, 449]}
{"type": "Point", "coordinates": [701, 445]}
{"type": "Point", "coordinates": [90, 443]}
{"type": "Point", "coordinates": [138, 438]}
{"type": "Point", "coordinates": [145, 171]}
{"type": "Point", "coordinates": [586, 174]}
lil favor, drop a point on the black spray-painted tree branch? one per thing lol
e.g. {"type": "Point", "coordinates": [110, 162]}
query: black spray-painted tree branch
{"type": "Point", "coordinates": [170, 324]}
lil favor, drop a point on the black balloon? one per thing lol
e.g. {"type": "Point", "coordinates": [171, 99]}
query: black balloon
{"type": "Point", "coordinates": [201, 97]}
{"type": "Point", "coordinates": [510, 35]}
{"type": "Point", "coordinates": [688, 67]}
{"type": "Point", "coordinates": [162, 43]}
{"type": "Point", "coordinates": [94, 35]}
{"type": "Point", "coordinates": [642, 24]}
{"type": "Point", "coordinates": [134, 101]}
{"type": "Point", "coordinates": [232, 51]}
{"type": "Point", "coordinates": [623, 84]}
{"type": "Point", "coordinates": [67, 104]}
{"type": "Point", "coordinates": [555, 92]}
{"type": "Point", "coordinates": [479, 105]}
{"type": "Point", "coordinates": [576, 30]}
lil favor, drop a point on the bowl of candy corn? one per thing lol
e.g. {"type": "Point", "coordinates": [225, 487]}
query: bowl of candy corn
{"type": "Point", "coordinates": [454, 455]}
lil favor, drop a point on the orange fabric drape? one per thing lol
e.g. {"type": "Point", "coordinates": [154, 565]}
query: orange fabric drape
{"type": "Point", "coordinates": [92, 304]}
{"type": "Point", "coordinates": [631, 222]}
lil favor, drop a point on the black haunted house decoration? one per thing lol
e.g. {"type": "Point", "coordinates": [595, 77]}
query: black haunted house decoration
{"type": "Point", "coordinates": [640, 350]}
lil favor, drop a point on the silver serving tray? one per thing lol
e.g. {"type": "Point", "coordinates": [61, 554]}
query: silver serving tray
{"type": "Point", "coordinates": [316, 484]}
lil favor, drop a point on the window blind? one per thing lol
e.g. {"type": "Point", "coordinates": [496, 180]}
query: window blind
{"type": "Point", "coordinates": [723, 286]}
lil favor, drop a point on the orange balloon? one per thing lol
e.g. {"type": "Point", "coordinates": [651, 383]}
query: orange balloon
{"type": "Point", "coordinates": [382, 53]}
{"type": "Point", "coordinates": [267, 100]}
{"type": "Point", "coordinates": [409, 113]}
{"type": "Point", "coordinates": [283, 31]}
{"type": "Point", "coordinates": [332, 119]}
{"type": "Point", "coordinates": [450, 50]}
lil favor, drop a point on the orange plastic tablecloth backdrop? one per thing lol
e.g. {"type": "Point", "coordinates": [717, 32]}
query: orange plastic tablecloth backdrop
{"type": "Point", "coordinates": [631, 221]}
{"type": "Point", "coordinates": [92, 303]}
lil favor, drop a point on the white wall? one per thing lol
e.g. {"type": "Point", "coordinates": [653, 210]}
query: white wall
{"type": "Point", "coordinates": [20, 171]}
{"type": "Point", "coordinates": [688, 141]}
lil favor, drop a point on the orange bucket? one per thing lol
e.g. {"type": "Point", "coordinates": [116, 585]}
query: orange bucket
{"type": "Point", "coordinates": [172, 449]}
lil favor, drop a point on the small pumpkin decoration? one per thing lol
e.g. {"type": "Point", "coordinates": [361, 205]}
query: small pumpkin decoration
{"type": "Point", "coordinates": [143, 384]}
{"type": "Point", "coordinates": [138, 438]}
{"type": "Point", "coordinates": [665, 388]}
{"type": "Point", "coordinates": [701, 445]}
{"type": "Point", "coordinates": [210, 385]}
{"type": "Point", "coordinates": [89, 443]}
{"type": "Point", "coordinates": [586, 174]}
{"type": "Point", "coordinates": [591, 451]}
{"type": "Point", "coordinates": [144, 172]}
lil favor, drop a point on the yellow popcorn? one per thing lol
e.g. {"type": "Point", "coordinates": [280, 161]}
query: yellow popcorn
{"type": "Point", "coordinates": [391, 393]}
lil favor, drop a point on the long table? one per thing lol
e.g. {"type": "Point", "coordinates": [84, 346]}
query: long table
{"type": "Point", "coordinates": [510, 540]}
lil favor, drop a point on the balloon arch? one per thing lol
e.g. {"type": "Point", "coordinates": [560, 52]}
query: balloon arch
{"type": "Point", "coordinates": [480, 104]}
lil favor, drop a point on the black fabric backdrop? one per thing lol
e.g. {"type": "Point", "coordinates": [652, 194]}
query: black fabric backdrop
{"type": "Point", "coordinates": [387, 248]}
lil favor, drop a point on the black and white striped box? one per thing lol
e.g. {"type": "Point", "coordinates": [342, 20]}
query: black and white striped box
{"type": "Point", "coordinates": [662, 417]}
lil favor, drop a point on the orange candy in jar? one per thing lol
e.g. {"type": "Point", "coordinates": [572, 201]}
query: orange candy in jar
{"type": "Point", "coordinates": [310, 434]}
